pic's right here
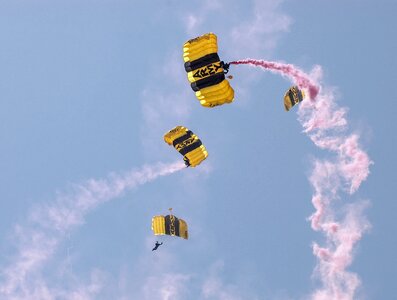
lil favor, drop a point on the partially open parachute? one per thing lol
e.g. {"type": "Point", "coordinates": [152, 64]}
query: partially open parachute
{"type": "Point", "coordinates": [293, 96]}
{"type": "Point", "coordinates": [206, 72]}
{"type": "Point", "coordinates": [187, 144]}
{"type": "Point", "coordinates": [169, 225]}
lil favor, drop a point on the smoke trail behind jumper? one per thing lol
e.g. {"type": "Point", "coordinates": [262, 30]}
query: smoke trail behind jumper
{"type": "Point", "coordinates": [296, 75]}
{"type": "Point", "coordinates": [48, 225]}
{"type": "Point", "coordinates": [332, 179]}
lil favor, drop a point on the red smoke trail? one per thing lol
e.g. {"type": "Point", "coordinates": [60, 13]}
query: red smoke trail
{"type": "Point", "coordinates": [299, 77]}
{"type": "Point", "coordinates": [325, 124]}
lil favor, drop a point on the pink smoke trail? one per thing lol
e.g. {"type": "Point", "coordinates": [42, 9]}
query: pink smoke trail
{"type": "Point", "coordinates": [325, 124]}
{"type": "Point", "coordinates": [299, 77]}
{"type": "Point", "coordinates": [48, 225]}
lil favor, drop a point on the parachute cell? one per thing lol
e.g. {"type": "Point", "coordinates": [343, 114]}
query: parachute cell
{"type": "Point", "coordinates": [169, 225]}
{"type": "Point", "coordinates": [293, 96]}
{"type": "Point", "coordinates": [187, 144]}
{"type": "Point", "coordinates": [205, 71]}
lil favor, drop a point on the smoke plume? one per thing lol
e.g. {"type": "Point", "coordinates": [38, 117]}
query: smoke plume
{"type": "Point", "coordinates": [48, 225]}
{"type": "Point", "coordinates": [325, 124]}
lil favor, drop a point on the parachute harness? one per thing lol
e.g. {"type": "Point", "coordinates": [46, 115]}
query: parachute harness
{"type": "Point", "coordinates": [225, 67]}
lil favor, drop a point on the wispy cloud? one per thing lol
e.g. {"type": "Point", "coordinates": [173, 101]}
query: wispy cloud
{"type": "Point", "coordinates": [169, 286]}
{"type": "Point", "coordinates": [166, 107]}
{"type": "Point", "coordinates": [260, 34]}
{"type": "Point", "coordinates": [214, 287]}
{"type": "Point", "coordinates": [194, 20]}
{"type": "Point", "coordinates": [245, 28]}
{"type": "Point", "coordinates": [37, 241]}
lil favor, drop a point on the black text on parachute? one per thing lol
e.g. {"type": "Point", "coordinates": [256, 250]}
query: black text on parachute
{"type": "Point", "coordinates": [187, 144]}
{"type": "Point", "coordinates": [206, 72]}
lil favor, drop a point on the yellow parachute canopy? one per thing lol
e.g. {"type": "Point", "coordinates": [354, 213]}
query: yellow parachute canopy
{"type": "Point", "coordinates": [293, 96]}
{"type": "Point", "coordinates": [205, 71]}
{"type": "Point", "coordinates": [169, 225]}
{"type": "Point", "coordinates": [187, 144]}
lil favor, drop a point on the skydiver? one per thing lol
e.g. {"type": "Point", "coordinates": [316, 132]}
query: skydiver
{"type": "Point", "coordinates": [157, 245]}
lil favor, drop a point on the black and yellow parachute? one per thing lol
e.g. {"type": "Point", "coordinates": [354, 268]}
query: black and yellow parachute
{"type": "Point", "coordinates": [206, 72]}
{"type": "Point", "coordinates": [293, 96]}
{"type": "Point", "coordinates": [187, 144]}
{"type": "Point", "coordinates": [169, 225]}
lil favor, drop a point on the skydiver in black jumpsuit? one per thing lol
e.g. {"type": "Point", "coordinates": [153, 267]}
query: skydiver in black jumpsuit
{"type": "Point", "coordinates": [157, 245]}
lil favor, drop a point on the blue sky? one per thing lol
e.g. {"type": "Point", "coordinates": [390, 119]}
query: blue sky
{"type": "Point", "coordinates": [87, 90]}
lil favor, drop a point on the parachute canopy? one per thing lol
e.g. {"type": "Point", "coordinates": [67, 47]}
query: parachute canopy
{"type": "Point", "coordinates": [206, 72]}
{"type": "Point", "coordinates": [169, 225]}
{"type": "Point", "coordinates": [293, 96]}
{"type": "Point", "coordinates": [187, 144]}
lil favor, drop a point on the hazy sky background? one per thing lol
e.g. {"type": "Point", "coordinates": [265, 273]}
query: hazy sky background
{"type": "Point", "coordinates": [87, 90]}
